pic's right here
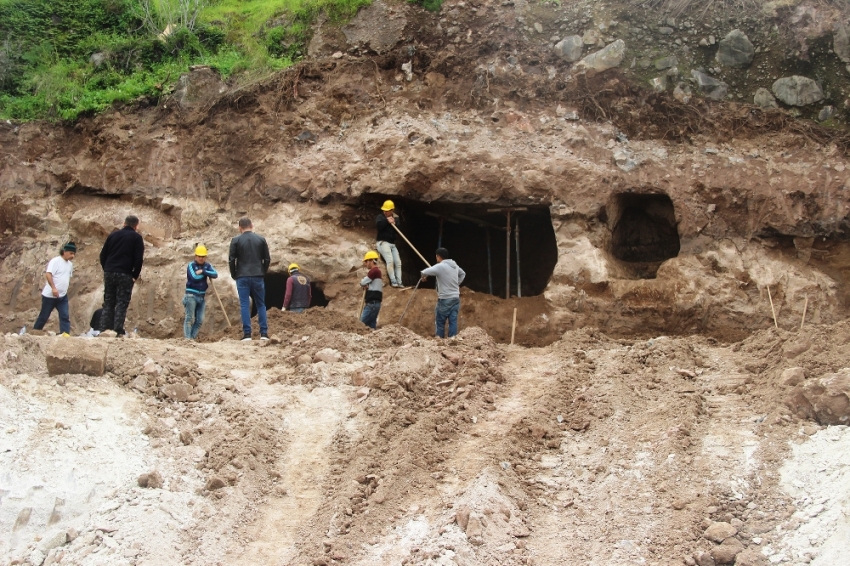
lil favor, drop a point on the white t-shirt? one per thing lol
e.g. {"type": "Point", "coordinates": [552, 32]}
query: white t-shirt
{"type": "Point", "coordinates": [61, 270]}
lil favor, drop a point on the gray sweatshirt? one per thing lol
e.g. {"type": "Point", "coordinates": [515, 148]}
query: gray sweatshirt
{"type": "Point", "coordinates": [449, 277]}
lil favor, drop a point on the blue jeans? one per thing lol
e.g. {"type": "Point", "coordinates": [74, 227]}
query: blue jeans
{"type": "Point", "coordinates": [447, 309]}
{"type": "Point", "coordinates": [389, 252]}
{"type": "Point", "coordinates": [195, 306]}
{"type": "Point", "coordinates": [255, 287]}
{"type": "Point", "coordinates": [47, 306]}
{"type": "Point", "coordinates": [297, 309]}
{"type": "Point", "coordinates": [370, 314]}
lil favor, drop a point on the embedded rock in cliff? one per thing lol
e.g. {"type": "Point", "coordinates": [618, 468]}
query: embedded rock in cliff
{"type": "Point", "coordinates": [709, 86]}
{"type": "Point", "coordinates": [797, 91]}
{"type": "Point", "coordinates": [378, 27]}
{"type": "Point", "coordinates": [735, 50]}
{"type": "Point", "coordinates": [199, 87]}
{"type": "Point", "coordinates": [606, 58]}
{"type": "Point", "coordinates": [764, 99]}
{"type": "Point", "coordinates": [569, 48]}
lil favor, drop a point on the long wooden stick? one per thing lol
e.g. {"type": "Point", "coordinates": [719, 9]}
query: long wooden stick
{"type": "Point", "coordinates": [513, 327]}
{"type": "Point", "coordinates": [360, 308]}
{"type": "Point", "coordinates": [771, 307]}
{"type": "Point", "coordinates": [418, 281]}
{"type": "Point", "coordinates": [805, 306]}
{"type": "Point", "coordinates": [411, 245]}
{"type": "Point", "coordinates": [215, 292]}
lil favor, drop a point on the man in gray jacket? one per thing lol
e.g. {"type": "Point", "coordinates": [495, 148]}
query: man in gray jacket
{"type": "Point", "coordinates": [249, 260]}
{"type": "Point", "coordinates": [449, 277]}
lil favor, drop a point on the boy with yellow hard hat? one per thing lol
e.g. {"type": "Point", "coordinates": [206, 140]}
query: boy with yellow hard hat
{"type": "Point", "coordinates": [194, 301]}
{"type": "Point", "coordinates": [374, 287]}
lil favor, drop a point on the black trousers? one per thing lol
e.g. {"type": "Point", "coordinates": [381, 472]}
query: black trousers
{"type": "Point", "coordinates": [117, 290]}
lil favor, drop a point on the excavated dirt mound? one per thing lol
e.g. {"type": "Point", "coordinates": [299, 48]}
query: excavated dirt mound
{"type": "Point", "coordinates": [386, 447]}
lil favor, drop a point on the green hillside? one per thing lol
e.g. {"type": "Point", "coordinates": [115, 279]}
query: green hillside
{"type": "Point", "coordinates": [60, 59]}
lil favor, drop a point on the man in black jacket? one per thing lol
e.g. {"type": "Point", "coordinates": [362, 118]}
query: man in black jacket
{"type": "Point", "coordinates": [249, 260]}
{"type": "Point", "coordinates": [121, 259]}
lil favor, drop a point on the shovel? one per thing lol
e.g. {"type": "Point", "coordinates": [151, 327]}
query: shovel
{"type": "Point", "coordinates": [408, 301]}
{"type": "Point", "coordinates": [220, 303]}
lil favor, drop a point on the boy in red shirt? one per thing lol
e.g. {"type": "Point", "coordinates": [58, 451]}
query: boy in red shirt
{"type": "Point", "coordinates": [374, 287]}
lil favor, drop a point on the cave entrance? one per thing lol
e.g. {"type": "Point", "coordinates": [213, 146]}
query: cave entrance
{"type": "Point", "coordinates": [472, 233]}
{"type": "Point", "coordinates": [643, 232]}
{"type": "Point", "coordinates": [276, 291]}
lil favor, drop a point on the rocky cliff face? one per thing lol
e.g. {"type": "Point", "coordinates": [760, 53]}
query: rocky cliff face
{"type": "Point", "coordinates": [668, 171]}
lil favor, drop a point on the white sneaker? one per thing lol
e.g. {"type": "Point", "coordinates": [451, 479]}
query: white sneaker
{"type": "Point", "coordinates": [246, 338]}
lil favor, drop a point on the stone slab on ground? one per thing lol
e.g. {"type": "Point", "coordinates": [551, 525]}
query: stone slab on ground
{"type": "Point", "coordinates": [76, 355]}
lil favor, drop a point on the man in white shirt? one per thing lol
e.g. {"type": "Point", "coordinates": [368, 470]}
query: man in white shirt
{"type": "Point", "coordinates": [55, 293]}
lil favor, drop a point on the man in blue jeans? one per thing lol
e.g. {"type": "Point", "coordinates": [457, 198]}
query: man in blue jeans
{"type": "Point", "coordinates": [449, 277]}
{"type": "Point", "coordinates": [198, 273]}
{"type": "Point", "coordinates": [55, 294]}
{"type": "Point", "coordinates": [248, 261]}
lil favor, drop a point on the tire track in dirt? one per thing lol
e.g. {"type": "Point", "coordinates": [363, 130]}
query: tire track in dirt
{"type": "Point", "coordinates": [312, 418]}
{"type": "Point", "coordinates": [533, 372]}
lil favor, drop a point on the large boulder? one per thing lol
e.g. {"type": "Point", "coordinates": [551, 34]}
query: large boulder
{"type": "Point", "coordinates": [569, 48]}
{"type": "Point", "coordinates": [604, 59]}
{"type": "Point", "coordinates": [735, 50]}
{"type": "Point", "coordinates": [709, 86]}
{"type": "Point", "coordinates": [826, 400]}
{"type": "Point", "coordinates": [76, 355]}
{"type": "Point", "coordinates": [797, 91]}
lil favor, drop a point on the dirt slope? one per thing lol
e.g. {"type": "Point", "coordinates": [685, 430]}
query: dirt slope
{"type": "Point", "coordinates": [399, 449]}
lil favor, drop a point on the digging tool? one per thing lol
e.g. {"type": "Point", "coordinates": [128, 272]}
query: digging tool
{"type": "Point", "coordinates": [408, 301]}
{"type": "Point", "coordinates": [220, 303]}
{"type": "Point", "coordinates": [411, 245]}
{"type": "Point", "coordinates": [513, 327]}
{"type": "Point", "coordinates": [360, 308]}
{"type": "Point", "coordinates": [805, 306]}
{"type": "Point", "coordinates": [771, 307]}
{"type": "Point", "coordinates": [516, 239]}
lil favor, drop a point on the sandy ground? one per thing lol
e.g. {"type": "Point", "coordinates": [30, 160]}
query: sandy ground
{"type": "Point", "coordinates": [325, 446]}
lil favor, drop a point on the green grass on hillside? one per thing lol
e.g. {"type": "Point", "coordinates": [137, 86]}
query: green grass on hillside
{"type": "Point", "coordinates": [60, 59]}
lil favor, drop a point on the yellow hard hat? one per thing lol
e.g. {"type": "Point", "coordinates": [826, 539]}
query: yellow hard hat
{"type": "Point", "coordinates": [370, 255]}
{"type": "Point", "coordinates": [293, 266]}
{"type": "Point", "coordinates": [201, 250]}
{"type": "Point", "coordinates": [388, 205]}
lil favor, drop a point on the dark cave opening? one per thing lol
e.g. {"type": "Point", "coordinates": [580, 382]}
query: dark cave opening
{"type": "Point", "coordinates": [276, 292]}
{"type": "Point", "coordinates": [465, 230]}
{"type": "Point", "coordinates": [643, 232]}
